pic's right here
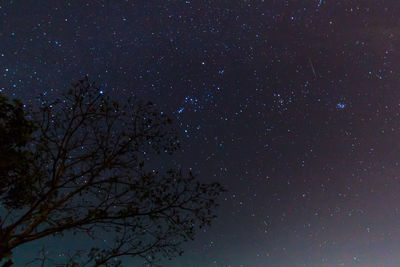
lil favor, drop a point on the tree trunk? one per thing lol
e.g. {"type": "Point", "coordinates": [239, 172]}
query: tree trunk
{"type": "Point", "coordinates": [5, 252]}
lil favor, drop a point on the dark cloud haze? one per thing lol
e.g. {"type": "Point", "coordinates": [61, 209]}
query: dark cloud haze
{"type": "Point", "coordinates": [293, 105]}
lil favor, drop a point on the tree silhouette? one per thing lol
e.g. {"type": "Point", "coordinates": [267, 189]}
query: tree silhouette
{"type": "Point", "coordinates": [15, 132]}
{"type": "Point", "coordinates": [93, 166]}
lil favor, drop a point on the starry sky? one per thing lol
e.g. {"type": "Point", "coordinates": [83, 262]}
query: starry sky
{"type": "Point", "coordinates": [294, 106]}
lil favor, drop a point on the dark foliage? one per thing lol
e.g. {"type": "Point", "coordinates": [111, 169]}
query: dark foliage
{"type": "Point", "coordinates": [15, 160]}
{"type": "Point", "coordinates": [91, 167]}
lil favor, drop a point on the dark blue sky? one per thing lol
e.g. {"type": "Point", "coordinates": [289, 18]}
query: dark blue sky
{"type": "Point", "coordinates": [292, 105]}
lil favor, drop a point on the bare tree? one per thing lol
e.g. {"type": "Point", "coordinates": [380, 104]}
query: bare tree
{"type": "Point", "coordinates": [94, 168]}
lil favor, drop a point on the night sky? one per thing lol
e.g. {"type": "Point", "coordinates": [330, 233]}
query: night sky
{"type": "Point", "coordinates": [294, 106]}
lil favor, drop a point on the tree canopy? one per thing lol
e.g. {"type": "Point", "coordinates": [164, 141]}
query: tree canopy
{"type": "Point", "coordinates": [15, 132]}
{"type": "Point", "coordinates": [85, 164]}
